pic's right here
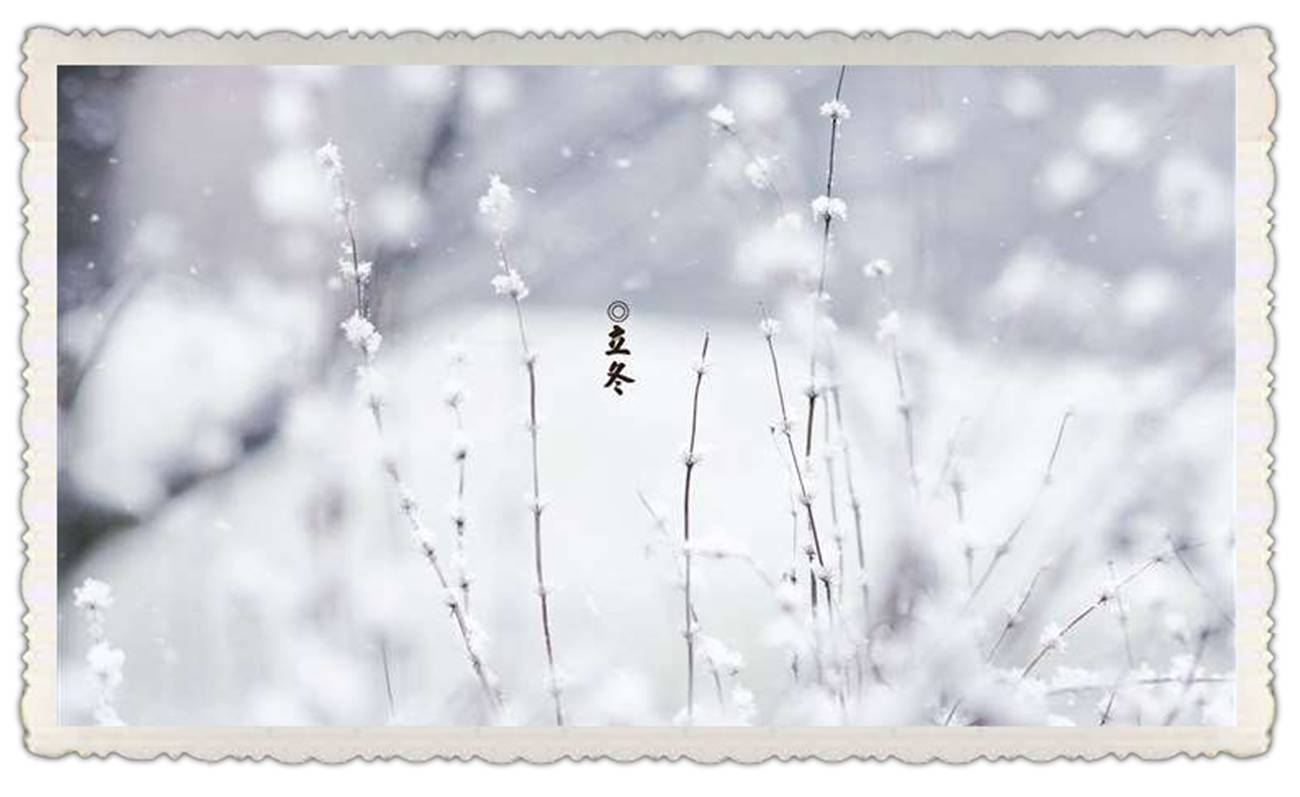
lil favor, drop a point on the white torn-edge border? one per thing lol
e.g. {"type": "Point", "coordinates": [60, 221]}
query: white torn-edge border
{"type": "Point", "coordinates": [1248, 50]}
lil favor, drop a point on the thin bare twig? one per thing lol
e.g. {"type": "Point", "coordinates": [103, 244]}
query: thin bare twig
{"type": "Point", "coordinates": [367, 341]}
{"type": "Point", "coordinates": [690, 461]}
{"type": "Point", "coordinates": [817, 298]}
{"type": "Point", "coordinates": [536, 506]}
{"type": "Point", "coordinates": [661, 526]}
{"type": "Point", "coordinates": [1004, 547]}
{"type": "Point", "coordinates": [805, 495]}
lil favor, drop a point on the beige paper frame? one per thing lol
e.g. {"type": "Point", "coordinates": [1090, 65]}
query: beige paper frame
{"type": "Point", "coordinates": [1249, 51]}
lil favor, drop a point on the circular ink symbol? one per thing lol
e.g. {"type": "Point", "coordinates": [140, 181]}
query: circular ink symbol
{"type": "Point", "coordinates": [618, 311]}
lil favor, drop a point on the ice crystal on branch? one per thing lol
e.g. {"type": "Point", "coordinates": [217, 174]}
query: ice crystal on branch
{"type": "Point", "coordinates": [835, 109]}
{"type": "Point", "coordinates": [361, 334]}
{"type": "Point", "coordinates": [759, 172]}
{"type": "Point", "coordinates": [510, 284]}
{"type": "Point", "coordinates": [105, 662]}
{"type": "Point", "coordinates": [93, 596]}
{"type": "Point", "coordinates": [827, 208]}
{"type": "Point", "coordinates": [878, 268]}
{"type": "Point", "coordinates": [329, 158]}
{"type": "Point", "coordinates": [498, 204]}
{"type": "Point", "coordinates": [723, 118]}
{"type": "Point", "coordinates": [889, 327]}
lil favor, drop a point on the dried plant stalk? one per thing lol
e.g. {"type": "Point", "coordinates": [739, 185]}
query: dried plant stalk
{"type": "Point", "coordinates": [769, 328]}
{"type": "Point", "coordinates": [1004, 547]}
{"type": "Point", "coordinates": [690, 461]}
{"type": "Point", "coordinates": [498, 205]}
{"type": "Point", "coordinates": [827, 208]}
{"type": "Point", "coordinates": [360, 331]}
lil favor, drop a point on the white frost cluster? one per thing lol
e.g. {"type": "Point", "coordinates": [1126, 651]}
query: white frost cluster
{"type": "Point", "coordinates": [719, 656]}
{"type": "Point", "coordinates": [888, 328]}
{"type": "Point", "coordinates": [106, 663]}
{"type": "Point", "coordinates": [826, 208]}
{"type": "Point", "coordinates": [1053, 637]}
{"type": "Point", "coordinates": [878, 268]}
{"type": "Point", "coordinates": [360, 333]}
{"type": "Point", "coordinates": [836, 110]}
{"type": "Point", "coordinates": [329, 158]}
{"type": "Point", "coordinates": [104, 660]}
{"type": "Point", "coordinates": [355, 270]}
{"type": "Point", "coordinates": [717, 546]}
{"type": "Point", "coordinates": [723, 118]}
{"type": "Point", "coordinates": [769, 327]}
{"type": "Point", "coordinates": [510, 284]}
{"type": "Point", "coordinates": [93, 595]}
{"type": "Point", "coordinates": [759, 172]}
{"type": "Point", "coordinates": [498, 203]}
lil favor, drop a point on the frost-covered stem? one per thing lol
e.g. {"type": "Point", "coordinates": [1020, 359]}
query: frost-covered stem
{"type": "Point", "coordinates": [968, 549]}
{"type": "Point", "coordinates": [1162, 680]}
{"type": "Point", "coordinates": [1123, 621]}
{"type": "Point", "coordinates": [900, 385]}
{"type": "Point", "coordinates": [792, 575]}
{"type": "Point", "coordinates": [1013, 619]}
{"type": "Point", "coordinates": [409, 509]}
{"type": "Point", "coordinates": [837, 536]}
{"type": "Point", "coordinates": [689, 461]}
{"type": "Point", "coordinates": [805, 496]}
{"type": "Point", "coordinates": [1004, 547]}
{"type": "Point", "coordinates": [530, 365]}
{"type": "Point", "coordinates": [390, 702]}
{"type": "Point", "coordinates": [826, 218]}
{"type": "Point", "coordinates": [93, 598]}
{"type": "Point", "coordinates": [1129, 660]}
{"type": "Point", "coordinates": [855, 503]}
{"type": "Point", "coordinates": [360, 332]}
{"type": "Point", "coordinates": [830, 183]}
{"type": "Point", "coordinates": [957, 484]}
{"type": "Point", "coordinates": [460, 454]}
{"type": "Point", "coordinates": [1202, 641]}
{"type": "Point", "coordinates": [769, 183]}
{"type": "Point", "coordinates": [1104, 597]}
{"type": "Point", "coordinates": [905, 409]}
{"type": "Point", "coordinates": [661, 526]}
{"type": "Point", "coordinates": [1179, 549]}
{"type": "Point", "coordinates": [1101, 600]}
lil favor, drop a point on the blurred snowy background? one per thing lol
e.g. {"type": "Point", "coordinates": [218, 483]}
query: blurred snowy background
{"type": "Point", "coordinates": [1059, 240]}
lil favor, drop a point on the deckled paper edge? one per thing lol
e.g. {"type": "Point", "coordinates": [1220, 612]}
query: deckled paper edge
{"type": "Point", "coordinates": [1249, 50]}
